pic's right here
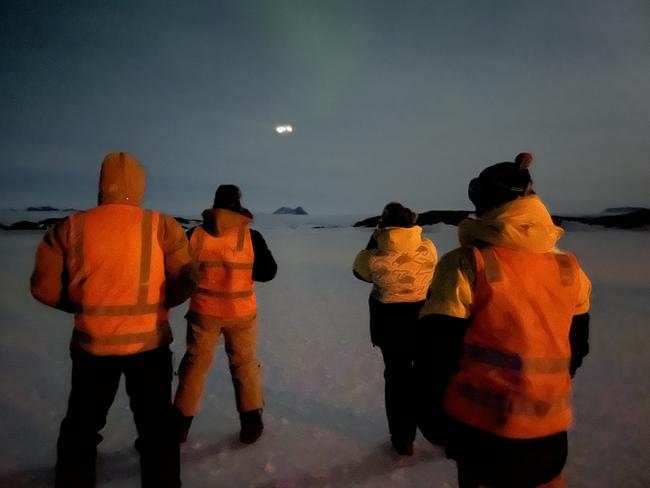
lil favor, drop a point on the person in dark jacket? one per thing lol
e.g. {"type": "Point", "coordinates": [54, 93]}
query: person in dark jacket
{"type": "Point", "coordinates": [231, 256]}
{"type": "Point", "coordinates": [399, 262]}
{"type": "Point", "coordinates": [502, 333]}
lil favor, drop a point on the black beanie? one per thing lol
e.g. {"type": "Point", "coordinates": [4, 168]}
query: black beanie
{"type": "Point", "coordinates": [227, 196]}
{"type": "Point", "coordinates": [501, 183]}
{"type": "Point", "coordinates": [397, 215]}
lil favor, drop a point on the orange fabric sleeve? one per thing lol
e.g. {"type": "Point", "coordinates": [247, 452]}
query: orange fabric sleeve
{"type": "Point", "coordinates": [181, 271]}
{"type": "Point", "coordinates": [48, 282]}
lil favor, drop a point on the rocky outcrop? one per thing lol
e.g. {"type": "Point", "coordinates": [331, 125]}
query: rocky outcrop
{"type": "Point", "coordinates": [290, 211]}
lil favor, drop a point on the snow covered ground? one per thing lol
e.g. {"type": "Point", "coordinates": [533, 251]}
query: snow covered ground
{"type": "Point", "coordinates": [325, 423]}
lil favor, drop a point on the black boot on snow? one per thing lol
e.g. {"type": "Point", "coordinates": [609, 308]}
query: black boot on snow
{"type": "Point", "coordinates": [403, 448]}
{"type": "Point", "coordinates": [182, 425]}
{"type": "Point", "coordinates": [251, 426]}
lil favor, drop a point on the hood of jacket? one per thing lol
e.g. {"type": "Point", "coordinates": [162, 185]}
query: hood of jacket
{"type": "Point", "coordinates": [121, 180]}
{"type": "Point", "coordinates": [522, 224]}
{"type": "Point", "coordinates": [218, 221]}
{"type": "Point", "coordinates": [399, 239]}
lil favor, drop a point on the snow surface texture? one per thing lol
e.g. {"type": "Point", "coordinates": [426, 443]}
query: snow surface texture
{"type": "Point", "coordinates": [324, 416]}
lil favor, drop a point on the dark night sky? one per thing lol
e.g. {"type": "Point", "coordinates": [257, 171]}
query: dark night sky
{"type": "Point", "coordinates": [402, 100]}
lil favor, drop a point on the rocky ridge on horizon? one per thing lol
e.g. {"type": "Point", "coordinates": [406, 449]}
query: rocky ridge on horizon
{"type": "Point", "coordinates": [45, 224]}
{"type": "Point", "coordinates": [620, 218]}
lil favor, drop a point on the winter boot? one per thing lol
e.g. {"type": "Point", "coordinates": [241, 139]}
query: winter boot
{"type": "Point", "coordinates": [181, 425]}
{"type": "Point", "coordinates": [251, 426]}
{"type": "Point", "coordinates": [403, 448]}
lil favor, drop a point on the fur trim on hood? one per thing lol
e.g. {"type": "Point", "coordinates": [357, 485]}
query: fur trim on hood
{"type": "Point", "coordinates": [523, 224]}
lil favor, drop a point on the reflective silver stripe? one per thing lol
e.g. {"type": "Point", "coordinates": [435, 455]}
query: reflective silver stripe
{"type": "Point", "coordinates": [241, 235]}
{"type": "Point", "coordinates": [77, 258]}
{"type": "Point", "coordinates": [156, 336]}
{"type": "Point", "coordinates": [225, 264]}
{"type": "Point", "coordinates": [197, 241]}
{"type": "Point", "coordinates": [502, 405]}
{"type": "Point", "coordinates": [492, 268]}
{"type": "Point", "coordinates": [145, 257]}
{"type": "Point", "coordinates": [224, 294]}
{"type": "Point", "coordinates": [114, 310]}
{"type": "Point", "coordinates": [504, 360]}
{"type": "Point", "coordinates": [566, 270]}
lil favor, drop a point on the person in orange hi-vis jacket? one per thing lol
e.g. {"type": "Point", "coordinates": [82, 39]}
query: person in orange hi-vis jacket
{"type": "Point", "coordinates": [231, 257]}
{"type": "Point", "coordinates": [118, 268]}
{"type": "Point", "coordinates": [503, 332]}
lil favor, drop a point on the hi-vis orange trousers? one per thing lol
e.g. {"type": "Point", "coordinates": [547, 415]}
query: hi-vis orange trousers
{"type": "Point", "coordinates": [241, 343]}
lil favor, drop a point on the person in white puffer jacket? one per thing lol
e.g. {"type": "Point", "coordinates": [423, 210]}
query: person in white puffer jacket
{"type": "Point", "coordinates": [399, 262]}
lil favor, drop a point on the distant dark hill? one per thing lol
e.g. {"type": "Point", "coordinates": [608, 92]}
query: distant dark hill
{"type": "Point", "coordinates": [622, 209]}
{"type": "Point", "coordinates": [45, 208]}
{"type": "Point", "coordinates": [621, 218]}
{"type": "Point", "coordinates": [47, 223]}
{"type": "Point", "coordinates": [24, 225]}
{"type": "Point", "coordinates": [48, 208]}
{"type": "Point", "coordinates": [290, 211]}
{"type": "Point", "coordinates": [450, 217]}
{"type": "Point", "coordinates": [185, 223]}
{"type": "Point", "coordinates": [632, 219]}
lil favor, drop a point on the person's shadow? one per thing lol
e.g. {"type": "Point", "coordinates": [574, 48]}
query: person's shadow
{"type": "Point", "coordinates": [380, 461]}
{"type": "Point", "coordinates": [123, 464]}
{"type": "Point", "coordinates": [120, 464]}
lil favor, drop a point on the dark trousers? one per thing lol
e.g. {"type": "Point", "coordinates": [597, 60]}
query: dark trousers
{"type": "Point", "coordinates": [95, 380]}
{"type": "Point", "coordinates": [399, 391]}
{"type": "Point", "coordinates": [485, 459]}
{"type": "Point", "coordinates": [392, 329]}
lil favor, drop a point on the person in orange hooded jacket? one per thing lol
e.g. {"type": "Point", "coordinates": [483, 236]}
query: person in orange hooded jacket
{"type": "Point", "coordinates": [231, 257]}
{"type": "Point", "coordinates": [118, 268]}
{"type": "Point", "coordinates": [503, 332]}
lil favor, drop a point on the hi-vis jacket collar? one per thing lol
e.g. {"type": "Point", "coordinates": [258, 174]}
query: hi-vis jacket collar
{"type": "Point", "coordinates": [219, 221]}
{"type": "Point", "coordinates": [523, 224]}
{"type": "Point", "coordinates": [399, 238]}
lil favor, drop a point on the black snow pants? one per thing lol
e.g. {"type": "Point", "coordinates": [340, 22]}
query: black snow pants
{"type": "Point", "coordinates": [95, 380]}
{"type": "Point", "coordinates": [485, 459]}
{"type": "Point", "coordinates": [393, 330]}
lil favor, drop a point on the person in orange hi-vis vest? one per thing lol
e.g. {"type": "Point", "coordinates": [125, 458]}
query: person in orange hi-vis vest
{"type": "Point", "coordinates": [503, 332]}
{"type": "Point", "coordinates": [118, 268]}
{"type": "Point", "coordinates": [231, 256]}
{"type": "Point", "coordinates": [399, 262]}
